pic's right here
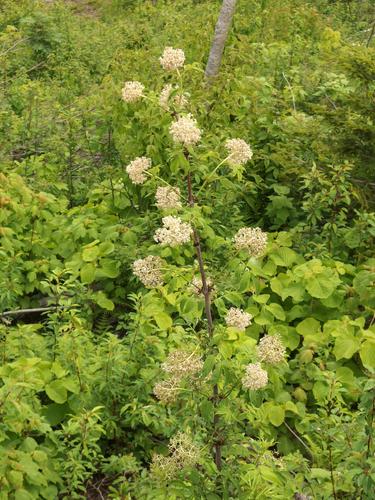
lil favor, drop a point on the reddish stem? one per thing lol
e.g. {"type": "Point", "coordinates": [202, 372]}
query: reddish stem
{"type": "Point", "coordinates": [210, 326]}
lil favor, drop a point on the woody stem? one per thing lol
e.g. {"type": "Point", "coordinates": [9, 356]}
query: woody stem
{"type": "Point", "coordinates": [210, 326]}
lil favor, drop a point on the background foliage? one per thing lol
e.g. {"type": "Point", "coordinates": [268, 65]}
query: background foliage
{"type": "Point", "coordinates": [78, 414]}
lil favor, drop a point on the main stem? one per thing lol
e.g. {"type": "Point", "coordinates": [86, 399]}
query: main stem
{"type": "Point", "coordinates": [210, 325]}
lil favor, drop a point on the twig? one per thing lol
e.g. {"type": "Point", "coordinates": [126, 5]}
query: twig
{"type": "Point", "coordinates": [291, 90]}
{"type": "Point", "coordinates": [371, 34]}
{"type": "Point", "coordinates": [13, 46]}
{"type": "Point", "coordinates": [299, 439]}
{"type": "Point", "coordinates": [31, 311]}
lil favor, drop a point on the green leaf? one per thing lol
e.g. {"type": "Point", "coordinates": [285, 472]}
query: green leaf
{"type": "Point", "coordinates": [285, 287]}
{"type": "Point", "coordinates": [87, 273]}
{"type": "Point", "coordinates": [320, 281]}
{"type": "Point", "coordinates": [55, 413]}
{"type": "Point", "coordinates": [264, 318]}
{"type": "Point", "coordinates": [15, 478]}
{"type": "Point", "coordinates": [89, 254]}
{"type": "Point", "coordinates": [23, 495]}
{"type": "Point", "coordinates": [320, 391]}
{"type": "Point", "coordinates": [103, 301]}
{"type": "Point", "coordinates": [345, 347]}
{"type": "Point", "coordinates": [106, 248]}
{"type": "Point", "coordinates": [226, 349]}
{"type": "Point", "coordinates": [276, 310]}
{"type": "Point", "coordinates": [71, 385]}
{"type": "Point", "coordinates": [284, 257]}
{"type": "Point", "coordinates": [288, 334]}
{"type": "Point", "coordinates": [367, 354]}
{"type": "Point", "coordinates": [261, 299]}
{"type": "Point", "coordinates": [163, 320]}
{"type": "Point", "coordinates": [207, 410]}
{"type": "Point", "coordinates": [276, 415]}
{"type": "Point", "coordinates": [308, 327]}
{"type": "Point", "coordinates": [57, 369]}
{"type": "Point", "coordinates": [56, 391]}
{"type": "Point", "coordinates": [108, 268]}
{"type": "Point", "coordinates": [320, 287]}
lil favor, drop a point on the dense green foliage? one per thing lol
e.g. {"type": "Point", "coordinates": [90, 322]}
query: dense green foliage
{"type": "Point", "coordinates": [78, 413]}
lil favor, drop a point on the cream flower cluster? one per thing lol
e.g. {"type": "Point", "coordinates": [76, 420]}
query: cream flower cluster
{"type": "Point", "coordinates": [254, 240]}
{"type": "Point", "coordinates": [271, 350]}
{"type": "Point", "coordinates": [182, 364]}
{"type": "Point", "coordinates": [183, 453]}
{"type": "Point", "coordinates": [149, 271]}
{"type": "Point", "coordinates": [178, 100]}
{"type": "Point", "coordinates": [185, 131]}
{"type": "Point", "coordinates": [179, 365]}
{"type": "Point", "coordinates": [174, 232]}
{"type": "Point", "coordinates": [184, 450]}
{"type": "Point", "coordinates": [239, 151]}
{"type": "Point", "coordinates": [255, 378]}
{"type": "Point", "coordinates": [163, 467]}
{"type": "Point", "coordinates": [136, 169]}
{"type": "Point", "coordinates": [172, 59]}
{"type": "Point", "coordinates": [166, 391]}
{"type": "Point", "coordinates": [196, 285]}
{"type": "Point", "coordinates": [132, 91]}
{"type": "Point", "coordinates": [168, 197]}
{"type": "Point", "coordinates": [238, 318]}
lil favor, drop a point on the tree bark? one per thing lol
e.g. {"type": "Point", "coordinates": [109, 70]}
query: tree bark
{"type": "Point", "coordinates": [221, 33]}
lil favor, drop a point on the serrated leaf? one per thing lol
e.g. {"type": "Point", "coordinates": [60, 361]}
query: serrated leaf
{"type": "Point", "coordinates": [106, 248]}
{"type": "Point", "coordinates": [262, 298]}
{"type": "Point", "coordinates": [308, 326]}
{"type": "Point", "coordinates": [104, 302]}
{"type": "Point", "coordinates": [90, 254]}
{"type": "Point", "coordinates": [163, 320]}
{"type": "Point", "coordinates": [320, 391]}
{"type": "Point", "coordinates": [346, 346]}
{"type": "Point", "coordinates": [284, 257]}
{"type": "Point", "coordinates": [276, 415]}
{"type": "Point", "coordinates": [367, 354]}
{"type": "Point", "coordinates": [56, 391]}
{"type": "Point", "coordinates": [87, 273]}
{"type": "Point", "coordinates": [23, 495]}
{"type": "Point", "coordinates": [108, 268]}
{"type": "Point", "coordinates": [276, 310]}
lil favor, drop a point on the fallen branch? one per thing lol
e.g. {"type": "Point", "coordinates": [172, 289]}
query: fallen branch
{"type": "Point", "coordinates": [31, 311]}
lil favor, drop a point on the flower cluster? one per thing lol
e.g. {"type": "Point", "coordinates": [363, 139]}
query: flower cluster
{"type": "Point", "coordinates": [166, 391]}
{"type": "Point", "coordinates": [168, 197]}
{"type": "Point", "coordinates": [184, 450]}
{"type": "Point", "coordinates": [163, 467]}
{"type": "Point", "coordinates": [254, 240]}
{"type": "Point", "coordinates": [183, 453]}
{"type": "Point", "coordinates": [182, 364]}
{"type": "Point", "coordinates": [132, 91]}
{"type": "Point", "coordinates": [196, 285]}
{"type": "Point", "coordinates": [136, 169]}
{"type": "Point", "coordinates": [178, 100]}
{"type": "Point", "coordinates": [172, 59]}
{"type": "Point", "coordinates": [239, 151]}
{"type": "Point", "coordinates": [174, 232]}
{"type": "Point", "coordinates": [179, 365]}
{"type": "Point", "coordinates": [255, 378]}
{"type": "Point", "coordinates": [271, 350]}
{"type": "Point", "coordinates": [238, 318]}
{"type": "Point", "coordinates": [149, 271]}
{"type": "Point", "coordinates": [185, 131]}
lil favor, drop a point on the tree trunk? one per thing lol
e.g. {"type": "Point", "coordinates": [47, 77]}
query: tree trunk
{"type": "Point", "coordinates": [220, 37]}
